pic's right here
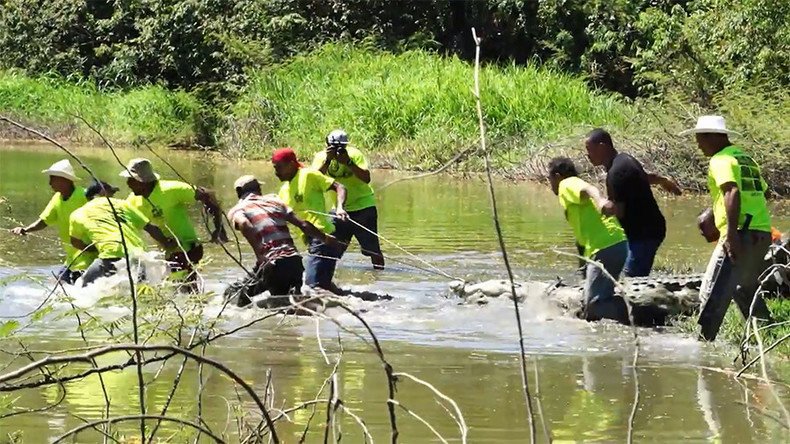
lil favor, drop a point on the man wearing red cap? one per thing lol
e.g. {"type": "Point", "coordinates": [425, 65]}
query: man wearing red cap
{"type": "Point", "coordinates": [303, 190]}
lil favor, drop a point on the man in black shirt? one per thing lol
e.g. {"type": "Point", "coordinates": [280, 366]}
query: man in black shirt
{"type": "Point", "coordinates": [631, 200]}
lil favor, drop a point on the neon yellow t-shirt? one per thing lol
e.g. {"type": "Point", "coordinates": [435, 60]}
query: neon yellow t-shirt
{"type": "Point", "coordinates": [305, 192]}
{"type": "Point", "coordinates": [57, 213]}
{"type": "Point", "coordinates": [593, 230]}
{"type": "Point", "coordinates": [733, 165]}
{"type": "Point", "coordinates": [167, 208]}
{"type": "Point", "coordinates": [94, 224]}
{"type": "Point", "coordinates": [359, 195]}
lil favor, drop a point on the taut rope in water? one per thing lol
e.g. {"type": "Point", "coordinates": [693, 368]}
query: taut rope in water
{"type": "Point", "coordinates": [435, 269]}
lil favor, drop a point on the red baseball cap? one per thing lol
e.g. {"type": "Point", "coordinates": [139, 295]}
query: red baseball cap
{"type": "Point", "coordinates": [285, 155]}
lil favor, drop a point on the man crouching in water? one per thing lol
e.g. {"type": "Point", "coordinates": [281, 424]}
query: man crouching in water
{"type": "Point", "coordinates": [263, 222]}
{"type": "Point", "coordinates": [601, 237]}
{"type": "Point", "coordinates": [104, 225]}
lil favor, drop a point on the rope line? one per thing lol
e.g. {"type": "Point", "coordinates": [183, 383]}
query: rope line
{"type": "Point", "coordinates": [431, 266]}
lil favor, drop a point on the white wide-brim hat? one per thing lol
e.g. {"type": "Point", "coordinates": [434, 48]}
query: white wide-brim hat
{"type": "Point", "coordinates": [708, 125]}
{"type": "Point", "coordinates": [62, 168]}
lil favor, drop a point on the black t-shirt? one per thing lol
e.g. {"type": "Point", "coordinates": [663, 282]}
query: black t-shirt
{"type": "Point", "coordinates": [627, 183]}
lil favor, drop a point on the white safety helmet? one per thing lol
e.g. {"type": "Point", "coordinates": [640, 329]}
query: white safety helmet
{"type": "Point", "coordinates": [337, 137]}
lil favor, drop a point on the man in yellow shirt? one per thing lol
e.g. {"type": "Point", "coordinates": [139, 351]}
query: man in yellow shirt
{"type": "Point", "coordinates": [67, 198]}
{"type": "Point", "coordinates": [741, 216]}
{"type": "Point", "coordinates": [349, 167]}
{"type": "Point", "coordinates": [303, 190]}
{"type": "Point", "coordinates": [97, 226]}
{"type": "Point", "coordinates": [600, 238]}
{"type": "Point", "coordinates": [166, 203]}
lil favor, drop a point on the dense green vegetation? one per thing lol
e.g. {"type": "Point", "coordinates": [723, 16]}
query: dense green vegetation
{"type": "Point", "coordinates": [150, 112]}
{"type": "Point", "coordinates": [249, 74]}
{"type": "Point", "coordinates": [412, 109]}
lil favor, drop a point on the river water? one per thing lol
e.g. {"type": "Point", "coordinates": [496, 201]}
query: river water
{"type": "Point", "coordinates": [586, 379]}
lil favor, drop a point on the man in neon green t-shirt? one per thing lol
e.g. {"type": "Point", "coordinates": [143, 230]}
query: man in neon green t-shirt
{"type": "Point", "coordinates": [600, 238]}
{"type": "Point", "coordinates": [303, 190]}
{"type": "Point", "coordinates": [741, 215]}
{"type": "Point", "coordinates": [348, 166]}
{"type": "Point", "coordinates": [67, 198]}
{"type": "Point", "coordinates": [98, 225]}
{"type": "Point", "coordinates": [166, 203]}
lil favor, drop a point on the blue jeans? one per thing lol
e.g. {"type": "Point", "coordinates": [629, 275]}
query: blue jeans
{"type": "Point", "coordinates": [641, 253]}
{"type": "Point", "coordinates": [321, 262]}
{"type": "Point", "coordinates": [599, 298]}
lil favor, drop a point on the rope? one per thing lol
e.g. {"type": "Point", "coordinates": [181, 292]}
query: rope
{"type": "Point", "coordinates": [431, 266]}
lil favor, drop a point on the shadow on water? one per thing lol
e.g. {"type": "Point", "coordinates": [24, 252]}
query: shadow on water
{"type": "Point", "coordinates": [468, 352]}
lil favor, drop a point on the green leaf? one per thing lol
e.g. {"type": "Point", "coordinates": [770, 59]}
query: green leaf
{"type": "Point", "coordinates": [7, 328]}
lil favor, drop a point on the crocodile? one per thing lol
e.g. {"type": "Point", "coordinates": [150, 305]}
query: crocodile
{"type": "Point", "coordinates": [653, 299]}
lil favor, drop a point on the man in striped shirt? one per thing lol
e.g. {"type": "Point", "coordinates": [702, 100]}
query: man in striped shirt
{"type": "Point", "coordinates": [263, 222]}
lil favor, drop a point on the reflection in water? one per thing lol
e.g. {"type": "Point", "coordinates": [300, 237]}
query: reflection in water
{"type": "Point", "coordinates": [467, 352]}
{"type": "Point", "coordinates": [706, 406]}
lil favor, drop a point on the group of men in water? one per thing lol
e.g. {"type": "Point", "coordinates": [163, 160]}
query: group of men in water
{"type": "Point", "coordinates": [98, 230]}
{"type": "Point", "coordinates": [616, 232]}
{"type": "Point", "coordinates": [620, 232]}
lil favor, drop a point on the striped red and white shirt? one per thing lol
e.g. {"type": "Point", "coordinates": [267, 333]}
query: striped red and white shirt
{"type": "Point", "coordinates": [267, 216]}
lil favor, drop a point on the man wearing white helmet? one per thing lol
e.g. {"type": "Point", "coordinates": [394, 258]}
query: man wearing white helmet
{"type": "Point", "coordinates": [741, 215]}
{"type": "Point", "coordinates": [348, 166]}
{"type": "Point", "coordinates": [67, 198]}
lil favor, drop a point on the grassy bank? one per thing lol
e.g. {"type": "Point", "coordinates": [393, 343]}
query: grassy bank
{"type": "Point", "coordinates": [733, 327]}
{"type": "Point", "coordinates": [150, 113]}
{"type": "Point", "coordinates": [415, 110]}
{"type": "Point", "coordinates": [412, 110]}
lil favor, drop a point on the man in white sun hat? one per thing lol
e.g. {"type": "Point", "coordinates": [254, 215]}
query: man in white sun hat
{"type": "Point", "coordinates": [67, 198]}
{"type": "Point", "coordinates": [166, 204]}
{"type": "Point", "coordinates": [741, 215]}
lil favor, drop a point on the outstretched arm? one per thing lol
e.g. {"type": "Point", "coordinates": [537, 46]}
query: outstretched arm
{"type": "Point", "coordinates": [667, 183]}
{"type": "Point", "coordinates": [82, 246]}
{"type": "Point", "coordinates": [35, 226]}
{"type": "Point", "coordinates": [166, 242]}
{"type": "Point", "coordinates": [604, 205]}
{"type": "Point", "coordinates": [341, 199]}
{"type": "Point", "coordinates": [309, 229]}
{"type": "Point", "coordinates": [209, 200]}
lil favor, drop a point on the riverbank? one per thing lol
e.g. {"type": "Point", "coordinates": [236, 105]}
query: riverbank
{"type": "Point", "coordinates": [410, 111]}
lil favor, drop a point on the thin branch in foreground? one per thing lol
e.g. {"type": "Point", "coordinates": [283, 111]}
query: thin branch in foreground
{"type": "Point", "coordinates": [110, 421]}
{"type": "Point", "coordinates": [501, 239]}
{"type": "Point", "coordinates": [459, 418]}
{"type": "Point", "coordinates": [419, 418]}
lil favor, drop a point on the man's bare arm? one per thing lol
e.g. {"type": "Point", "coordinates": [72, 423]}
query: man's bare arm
{"type": "Point", "coordinates": [82, 246]}
{"type": "Point", "coordinates": [166, 242]}
{"type": "Point", "coordinates": [35, 226]}
{"type": "Point", "coordinates": [667, 183]}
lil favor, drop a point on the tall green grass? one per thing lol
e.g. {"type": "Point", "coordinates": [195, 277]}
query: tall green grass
{"type": "Point", "coordinates": [151, 113]}
{"type": "Point", "coordinates": [413, 109]}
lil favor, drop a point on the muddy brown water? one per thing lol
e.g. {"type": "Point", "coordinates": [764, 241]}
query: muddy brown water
{"type": "Point", "coordinates": [586, 380]}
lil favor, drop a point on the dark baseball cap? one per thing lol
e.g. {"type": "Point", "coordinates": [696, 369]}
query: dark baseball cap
{"type": "Point", "coordinates": [96, 187]}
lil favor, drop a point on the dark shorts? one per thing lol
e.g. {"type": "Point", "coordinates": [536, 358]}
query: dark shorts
{"type": "Point", "coordinates": [368, 241]}
{"type": "Point", "coordinates": [99, 268]}
{"type": "Point", "coordinates": [280, 277]}
{"type": "Point", "coordinates": [68, 276]}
